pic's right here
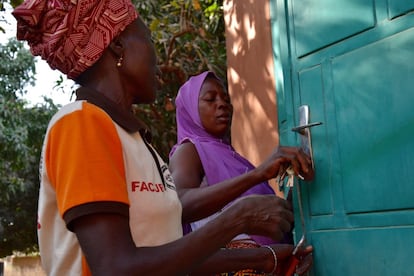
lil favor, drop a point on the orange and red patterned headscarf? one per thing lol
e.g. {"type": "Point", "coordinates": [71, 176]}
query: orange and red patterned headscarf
{"type": "Point", "coordinates": [71, 35]}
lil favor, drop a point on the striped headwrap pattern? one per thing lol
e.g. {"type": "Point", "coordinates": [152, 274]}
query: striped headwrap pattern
{"type": "Point", "coordinates": [71, 35]}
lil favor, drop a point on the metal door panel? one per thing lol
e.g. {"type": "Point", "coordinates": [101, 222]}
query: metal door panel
{"type": "Point", "coordinates": [318, 23]}
{"type": "Point", "coordinates": [374, 255]}
{"type": "Point", "coordinates": [374, 103]}
{"type": "Point", "coordinates": [399, 7]}
{"type": "Point", "coordinates": [353, 67]}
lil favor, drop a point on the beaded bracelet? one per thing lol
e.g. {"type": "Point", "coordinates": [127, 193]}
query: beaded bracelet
{"type": "Point", "coordinates": [274, 257]}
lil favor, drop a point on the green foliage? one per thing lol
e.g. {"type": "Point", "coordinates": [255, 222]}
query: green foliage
{"type": "Point", "coordinates": [13, 3]}
{"type": "Point", "coordinates": [21, 133]}
{"type": "Point", "coordinates": [19, 181]}
{"type": "Point", "coordinates": [189, 38]}
{"type": "Point", "coordinates": [17, 69]}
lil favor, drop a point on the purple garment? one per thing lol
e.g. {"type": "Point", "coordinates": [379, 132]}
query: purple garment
{"type": "Point", "coordinates": [219, 159]}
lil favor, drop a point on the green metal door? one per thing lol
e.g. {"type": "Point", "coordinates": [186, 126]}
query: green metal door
{"type": "Point", "coordinates": [352, 63]}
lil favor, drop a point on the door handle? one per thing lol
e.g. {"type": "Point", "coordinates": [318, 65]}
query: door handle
{"type": "Point", "coordinates": [303, 129]}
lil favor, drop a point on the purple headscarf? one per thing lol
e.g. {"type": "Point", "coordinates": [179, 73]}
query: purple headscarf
{"type": "Point", "coordinates": [219, 159]}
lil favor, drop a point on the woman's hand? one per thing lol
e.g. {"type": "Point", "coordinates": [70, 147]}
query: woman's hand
{"type": "Point", "coordinates": [283, 157]}
{"type": "Point", "coordinates": [264, 215]}
{"type": "Point", "coordinates": [305, 260]}
{"type": "Point", "coordinates": [284, 254]}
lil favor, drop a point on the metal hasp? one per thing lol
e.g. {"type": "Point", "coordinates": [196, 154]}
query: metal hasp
{"type": "Point", "coordinates": [304, 130]}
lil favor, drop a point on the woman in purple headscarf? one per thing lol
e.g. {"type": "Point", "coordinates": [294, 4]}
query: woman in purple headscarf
{"type": "Point", "coordinates": [208, 172]}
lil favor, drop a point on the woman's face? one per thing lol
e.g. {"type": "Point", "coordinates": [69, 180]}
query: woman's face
{"type": "Point", "coordinates": [140, 63]}
{"type": "Point", "coordinates": [215, 108]}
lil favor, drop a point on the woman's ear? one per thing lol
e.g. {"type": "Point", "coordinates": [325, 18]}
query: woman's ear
{"type": "Point", "coordinates": [117, 47]}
